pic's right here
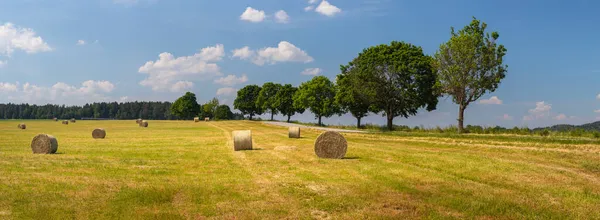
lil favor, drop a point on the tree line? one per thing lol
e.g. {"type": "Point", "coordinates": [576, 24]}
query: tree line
{"type": "Point", "coordinates": [108, 110]}
{"type": "Point", "coordinates": [395, 80]}
{"type": "Point", "coordinates": [187, 107]}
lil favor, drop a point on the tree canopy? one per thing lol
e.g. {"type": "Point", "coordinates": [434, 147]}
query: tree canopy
{"type": "Point", "coordinates": [209, 108]}
{"type": "Point", "coordinates": [223, 112]}
{"type": "Point", "coordinates": [266, 98]}
{"type": "Point", "coordinates": [284, 101]}
{"type": "Point", "coordinates": [246, 100]}
{"type": "Point", "coordinates": [318, 95]}
{"type": "Point", "coordinates": [352, 95]}
{"type": "Point", "coordinates": [397, 78]}
{"type": "Point", "coordinates": [186, 107]}
{"type": "Point", "coordinates": [469, 65]}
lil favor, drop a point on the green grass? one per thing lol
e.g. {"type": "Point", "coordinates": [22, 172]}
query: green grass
{"type": "Point", "coordinates": [186, 170]}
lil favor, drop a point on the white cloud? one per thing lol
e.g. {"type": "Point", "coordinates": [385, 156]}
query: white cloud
{"type": "Point", "coordinates": [80, 43]}
{"type": "Point", "coordinates": [309, 8]}
{"type": "Point", "coordinates": [598, 97]}
{"type": "Point", "coordinates": [123, 98]}
{"type": "Point", "coordinates": [312, 1]}
{"type": "Point", "coordinates": [282, 17]}
{"type": "Point", "coordinates": [174, 74]}
{"type": "Point", "coordinates": [284, 52]}
{"type": "Point", "coordinates": [253, 15]}
{"type": "Point", "coordinates": [231, 80]}
{"type": "Point", "coordinates": [507, 117]}
{"type": "Point", "coordinates": [326, 8]}
{"type": "Point", "coordinates": [597, 111]}
{"type": "Point", "coordinates": [227, 91]}
{"type": "Point", "coordinates": [243, 53]}
{"type": "Point", "coordinates": [2, 63]}
{"type": "Point", "coordinates": [541, 110]}
{"type": "Point", "coordinates": [25, 39]}
{"type": "Point", "coordinates": [560, 117]}
{"type": "Point", "coordinates": [312, 71]}
{"type": "Point", "coordinates": [494, 100]}
{"type": "Point", "coordinates": [89, 91]}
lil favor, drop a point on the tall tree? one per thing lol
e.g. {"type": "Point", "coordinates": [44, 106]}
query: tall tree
{"type": "Point", "coordinates": [186, 107]}
{"type": "Point", "coordinates": [469, 65]}
{"type": "Point", "coordinates": [209, 109]}
{"type": "Point", "coordinates": [246, 100]}
{"type": "Point", "coordinates": [397, 78]}
{"type": "Point", "coordinates": [318, 95]}
{"type": "Point", "coordinates": [266, 98]}
{"type": "Point", "coordinates": [284, 101]}
{"type": "Point", "coordinates": [223, 112]}
{"type": "Point", "coordinates": [352, 96]}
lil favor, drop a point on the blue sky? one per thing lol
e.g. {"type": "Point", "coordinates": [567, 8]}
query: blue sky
{"type": "Point", "coordinates": [72, 52]}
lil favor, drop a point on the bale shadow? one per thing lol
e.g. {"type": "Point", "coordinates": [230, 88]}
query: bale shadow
{"type": "Point", "coordinates": [351, 158]}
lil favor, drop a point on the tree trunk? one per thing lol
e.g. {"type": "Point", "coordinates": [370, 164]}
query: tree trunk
{"type": "Point", "coordinates": [461, 118]}
{"type": "Point", "coordinates": [320, 121]}
{"type": "Point", "coordinates": [390, 122]}
{"type": "Point", "coordinates": [289, 116]}
{"type": "Point", "coordinates": [251, 117]}
{"type": "Point", "coordinates": [358, 122]}
{"type": "Point", "coordinates": [271, 115]}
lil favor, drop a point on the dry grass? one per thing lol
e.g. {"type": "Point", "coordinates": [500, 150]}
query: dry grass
{"type": "Point", "coordinates": [181, 170]}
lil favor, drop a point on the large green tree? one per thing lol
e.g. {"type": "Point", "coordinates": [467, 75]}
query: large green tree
{"type": "Point", "coordinates": [266, 98]}
{"type": "Point", "coordinates": [186, 107]}
{"type": "Point", "coordinates": [284, 101]}
{"type": "Point", "coordinates": [469, 65]}
{"type": "Point", "coordinates": [209, 108]}
{"type": "Point", "coordinates": [223, 112]}
{"type": "Point", "coordinates": [352, 95]}
{"type": "Point", "coordinates": [397, 78]}
{"type": "Point", "coordinates": [246, 100]}
{"type": "Point", "coordinates": [317, 95]}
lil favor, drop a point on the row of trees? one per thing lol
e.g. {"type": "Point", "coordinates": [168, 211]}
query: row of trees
{"type": "Point", "coordinates": [109, 110]}
{"type": "Point", "coordinates": [187, 107]}
{"type": "Point", "coordinates": [395, 80]}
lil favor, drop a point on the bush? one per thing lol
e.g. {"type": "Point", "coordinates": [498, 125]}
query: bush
{"type": "Point", "coordinates": [545, 133]}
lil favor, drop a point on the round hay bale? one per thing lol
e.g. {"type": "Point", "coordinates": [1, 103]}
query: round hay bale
{"type": "Point", "coordinates": [331, 144]}
{"type": "Point", "coordinates": [55, 119]}
{"type": "Point", "coordinates": [22, 126]}
{"type": "Point", "coordinates": [207, 119]}
{"type": "Point", "coordinates": [44, 144]}
{"type": "Point", "coordinates": [294, 132]}
{"type": "Point", "coordinates": [99, 133]}
{"type": "Point", "coordinates": [242, 140]}
{"type": "Point", "coordinates": [196, 119]}
{"type": "Point", "coordinates": [65, 122]}
{"type": "Point", "coordinates": [144, 124]}
{"type": "Point", "coordinates": [73, 120]}
{"type": "Point", "coordinates": [138, 121]}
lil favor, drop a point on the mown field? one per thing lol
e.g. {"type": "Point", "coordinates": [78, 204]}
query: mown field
{"type": "Point", "coordinates": [186, 170]}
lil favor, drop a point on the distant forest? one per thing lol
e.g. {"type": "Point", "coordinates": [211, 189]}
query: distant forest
{"type": "Point", "coordinates": [112, 110]}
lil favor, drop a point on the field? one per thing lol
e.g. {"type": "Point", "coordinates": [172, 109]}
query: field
{"type": "Point", "coordinates": [186, 170]}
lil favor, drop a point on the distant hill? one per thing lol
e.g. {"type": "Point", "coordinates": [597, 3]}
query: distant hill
{"type": "Point", "coordinates": [594, 126]}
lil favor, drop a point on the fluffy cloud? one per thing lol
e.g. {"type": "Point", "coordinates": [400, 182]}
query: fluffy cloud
{"type": "Point", "coordinates": [309, 8]}
{"type": "Point", "coordinates": [284, 52]}
{"type": "Point", "coordinates": [231, 80]}
{"type": "Point", "coordinates": [243, 53]}
{"type": "Point", "coordinates": [494, 100]}
{"type": "Point", "coordinates": [227, 91]}
{"type": "Point", "coordinates": [282, 17]}
{"type": "Point", "coordinates": [598, 97]}
{"type": "Point", "coordinates": [507, 117]}
{"type": "Point", "coordinates": [597, 111]}
{"type": "Point", "coordinates": [174, 74]}
{"type": "Point", "coordinates": [312, 71]}
{"type": "Point", "coordinates": [16, 38]}
{"type": "Point", "coordinates": [60, 93]}
{"type": "Point", "coordinates": [2, 63]}
{"type": "Point", "coordinates": [326, 8]}
{"type": "Point", "coordinates": [253, 15]}
{"type": "Point", "coordinates": [560, 117]}
{"type": "Point", "coordinates": [80, 43]}
{"type": "Point", "coordinates": [312, 1]}
{"type": "Point", "coordinates": [541, 110]}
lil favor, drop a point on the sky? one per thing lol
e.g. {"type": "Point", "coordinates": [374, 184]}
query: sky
{"type": "Point", "coordinates": [73, 52]}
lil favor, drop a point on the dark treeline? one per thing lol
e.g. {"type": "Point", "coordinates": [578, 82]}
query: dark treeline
{"type": "Point", "coordinates": [113, 110]}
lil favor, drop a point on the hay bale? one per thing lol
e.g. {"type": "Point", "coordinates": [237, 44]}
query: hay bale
{"type": "Point", "coordinates": [242, 140]}
{"type": "Point", "coordinates": [65, 122]}
{"type": "Point", "coordinates": [196, 119]}
{"type": "Point", "coordinates": [99, 133]}
{"type": "Point", "coordinates": [207, 119]}
{"type": "Point", "coordinates": [294, 132]}
{"type": "Point", "coordinates": [73, 120]}
{"type": "Point", "coordinates": [22, 126]}
{"type": "Point", "coordinates": [138, 121]}
{"type": "Point", "coordinates": [331, 144]}
{"type": "Point", "coordinates": [144, 124]}
{"type": "Point", "coordinates": [55, 119]}
{"type": "Point", "coordinates": [44, 144]}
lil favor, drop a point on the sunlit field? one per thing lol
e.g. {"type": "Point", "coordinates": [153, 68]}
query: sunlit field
{"type": "Point", "coordinates": [187, 170]}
